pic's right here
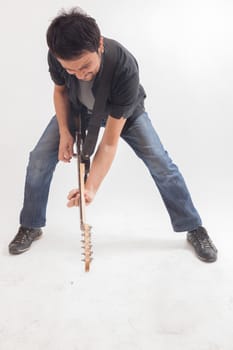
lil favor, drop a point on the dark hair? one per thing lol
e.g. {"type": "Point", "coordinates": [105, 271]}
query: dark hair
{"type": "Point", "coordinates": [71, 33]}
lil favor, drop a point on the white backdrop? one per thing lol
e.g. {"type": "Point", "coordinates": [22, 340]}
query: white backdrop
{"type": "Point", "coordinates": [146, 288]}
{"type": "Point", "coordinates": [184, 49]}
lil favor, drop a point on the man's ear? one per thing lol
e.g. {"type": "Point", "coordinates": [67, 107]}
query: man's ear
{"type": "Point", "coordinates": [101, 45]}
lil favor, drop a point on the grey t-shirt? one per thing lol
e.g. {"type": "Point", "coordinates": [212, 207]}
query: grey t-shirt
{"type": "Point", "coordinates": [85, 94]}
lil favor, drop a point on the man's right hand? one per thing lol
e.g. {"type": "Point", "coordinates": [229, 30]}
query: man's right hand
{"type": "Point", "coordinates": [65, 152]}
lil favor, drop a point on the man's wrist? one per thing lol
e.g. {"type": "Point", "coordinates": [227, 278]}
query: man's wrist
{"type": "Point", "coordinates": [90, 187]}
{"type": "Point", "coordinates": [64, 130]}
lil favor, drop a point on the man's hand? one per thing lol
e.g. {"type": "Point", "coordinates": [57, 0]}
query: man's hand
{"type": "Point", "coordinates": [65, 152]}
{"type": "Point", "coordinates": [74, 196]}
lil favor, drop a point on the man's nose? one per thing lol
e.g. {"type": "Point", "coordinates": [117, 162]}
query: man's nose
{"type": "Point", "coordinates": [80, 75]}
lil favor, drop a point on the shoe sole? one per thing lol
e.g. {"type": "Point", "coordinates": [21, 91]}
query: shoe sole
{"type": "Point", "coordinates": [17, 252]}
{"type": "Point", "coordinates": [206, 260]}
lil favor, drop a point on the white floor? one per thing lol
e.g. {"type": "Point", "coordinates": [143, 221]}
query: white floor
{"type": "Point", "coordinates": [145, 289]}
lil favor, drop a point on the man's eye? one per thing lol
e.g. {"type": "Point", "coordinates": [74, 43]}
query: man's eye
{"type": "Point", "coordinates": [86, 66]}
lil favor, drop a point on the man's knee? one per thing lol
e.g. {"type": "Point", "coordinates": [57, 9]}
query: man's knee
{"type": "Point", "coordinates": [40, 165]}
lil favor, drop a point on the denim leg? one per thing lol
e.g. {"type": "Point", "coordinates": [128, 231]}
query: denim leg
{"type": "Point", "coordinates": [143, 139]}
{"type": "Point", "coordinates": [42, 162]}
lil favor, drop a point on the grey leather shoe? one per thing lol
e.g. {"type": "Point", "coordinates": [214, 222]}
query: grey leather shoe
{"type": "Point", "coordinates": [24, 239]}
{"type": "Point", "coordinates": [202, 244]}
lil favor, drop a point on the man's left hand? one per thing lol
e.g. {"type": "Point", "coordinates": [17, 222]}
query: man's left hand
{"type": "Point", "coordinates": [74, 196]}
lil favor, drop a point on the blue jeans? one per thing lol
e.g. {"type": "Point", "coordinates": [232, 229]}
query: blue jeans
{"type": "Point", "coordinates": [143, 139]}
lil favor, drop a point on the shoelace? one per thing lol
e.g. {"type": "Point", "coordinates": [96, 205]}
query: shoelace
{"type": "Point", "coordinates": [204, 240]}
{"type": "Point", "coordinates": [22, 236]}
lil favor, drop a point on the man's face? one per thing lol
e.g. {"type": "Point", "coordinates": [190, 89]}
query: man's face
{"type": "Point", "coordinates": [85, 67]}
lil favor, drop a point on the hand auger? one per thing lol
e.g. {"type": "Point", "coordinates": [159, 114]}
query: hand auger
{"type": "Point", "coordinates": [82, 167]}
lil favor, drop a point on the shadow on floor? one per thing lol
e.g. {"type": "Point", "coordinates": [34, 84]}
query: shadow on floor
{"type": "Point", "coordinates": [126, 245]}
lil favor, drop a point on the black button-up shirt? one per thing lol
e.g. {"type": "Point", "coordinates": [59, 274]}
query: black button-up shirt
{"type": "Point", "coordinates": [126, 98]}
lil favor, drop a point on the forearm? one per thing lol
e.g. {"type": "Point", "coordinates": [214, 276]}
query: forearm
{"type": "Point", "coordinates": [61, 105]}
{"type": "Point", "coordinates": [100, 166]}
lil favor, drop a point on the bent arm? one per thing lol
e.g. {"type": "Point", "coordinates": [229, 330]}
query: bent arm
{"type": "Point", "coordinates": [105, 153]}
{"type": "Point", "coordinates": [61, 104]}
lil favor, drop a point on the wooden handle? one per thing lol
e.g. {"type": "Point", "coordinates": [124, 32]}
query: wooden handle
{"type": "Point", "coordinates": [82, 197]}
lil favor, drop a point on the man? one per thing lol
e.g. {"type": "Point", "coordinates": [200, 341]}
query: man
{"type": "Point", "coordinates": [79, 58]}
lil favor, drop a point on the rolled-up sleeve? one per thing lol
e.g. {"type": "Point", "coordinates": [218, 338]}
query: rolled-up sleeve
{"type": "Point", "coordinates": [122, 103]}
